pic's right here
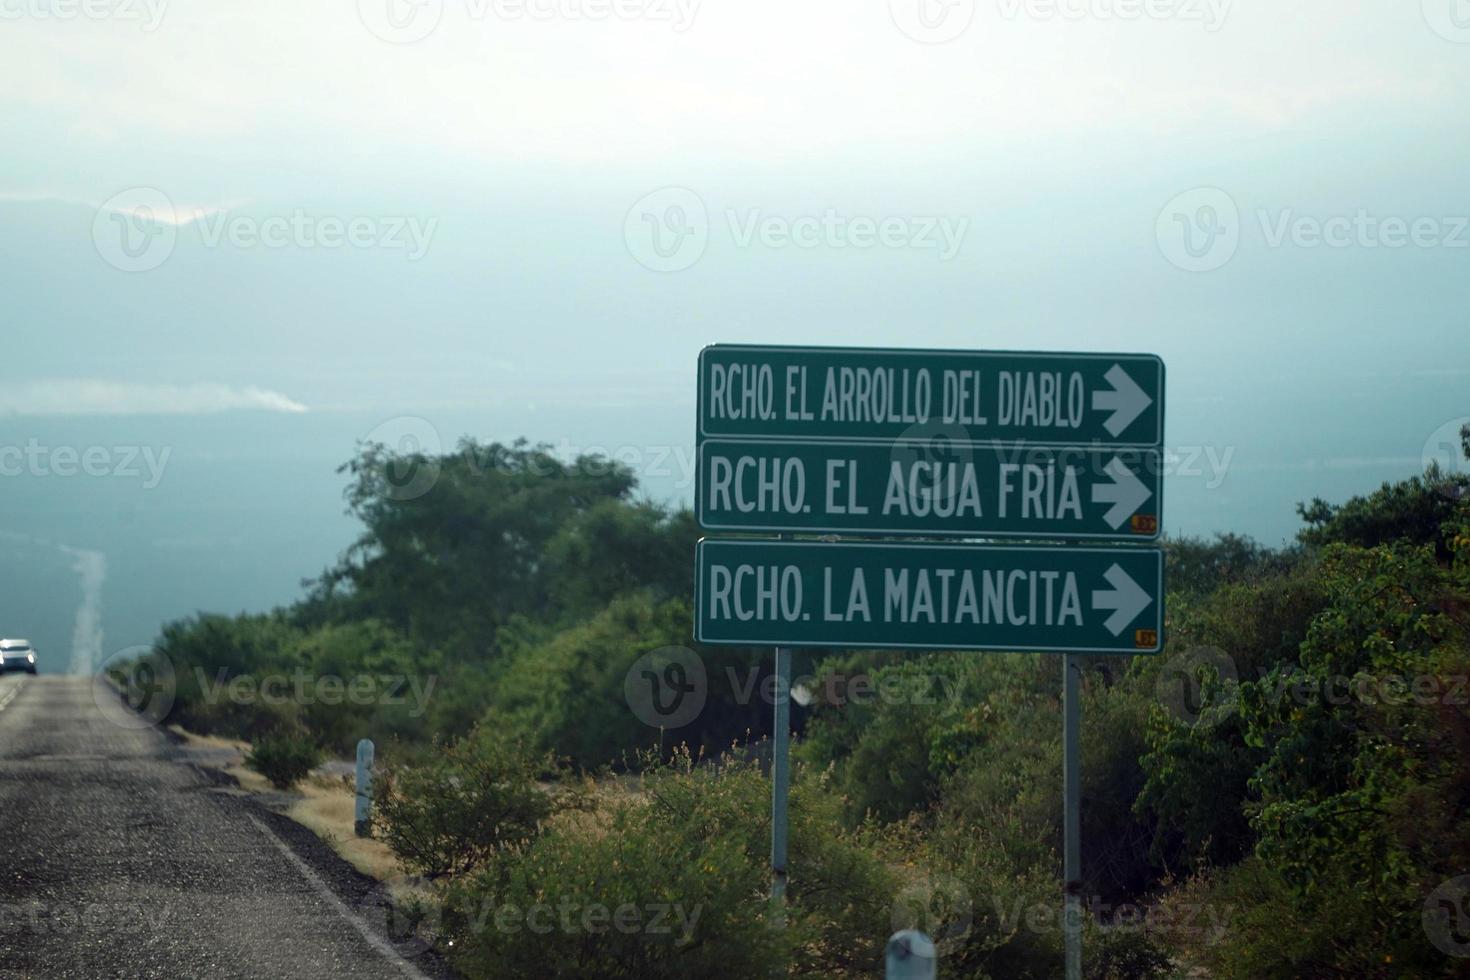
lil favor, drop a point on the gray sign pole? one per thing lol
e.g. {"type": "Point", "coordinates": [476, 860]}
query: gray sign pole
{"type": "Point", "coordinates": [1072, 812]}
{"type": "Point", "coordinates": [780, 783]}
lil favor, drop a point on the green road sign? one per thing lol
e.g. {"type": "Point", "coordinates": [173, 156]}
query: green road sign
{"type": "Point", "coordinates": [981, 397]}
{"type": "Point", "coordinates": [929, 596]}
{"type": "Point", "coordinates": [937, 488]}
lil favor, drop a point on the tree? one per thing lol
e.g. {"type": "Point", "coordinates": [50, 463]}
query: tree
{"type": "Point", "coordinates": [466, 550]}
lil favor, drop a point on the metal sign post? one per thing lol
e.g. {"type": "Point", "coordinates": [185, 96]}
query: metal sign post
{"type": "Point", "coordinates": [1072, 814]}
{"type": "Point", "coordinates": [780, 784]}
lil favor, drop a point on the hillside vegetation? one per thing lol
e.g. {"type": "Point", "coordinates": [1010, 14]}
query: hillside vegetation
{"type": "Point", "coordinates": [1283, 793]}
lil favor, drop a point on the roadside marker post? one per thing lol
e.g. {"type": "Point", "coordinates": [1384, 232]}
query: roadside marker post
{"type": "Point", "coordinates": [962, 445]}
{"type": "Point", "coordinates": [910, 956]}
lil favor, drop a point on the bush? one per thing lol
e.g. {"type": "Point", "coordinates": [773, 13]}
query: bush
{"type": "Point", "coordinates": [1414, 510]}
{"type": "Point", "coordinates": [685, 859]}
{"type": "Point", "coordinates": [284, 757]}
{"type": "Point", "coordinates": [890, 755]}
{"type": "Point", "coordinates": [1196, 567]}
{"type": "Point", "coordinates": [449, 815]}
{"type": "Point", "coordinates": [566, 693]}
{"type": "Point", "coordinates": [1197, 777]}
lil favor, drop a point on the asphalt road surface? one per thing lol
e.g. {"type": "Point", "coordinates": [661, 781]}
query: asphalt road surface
{"type": "Point", "coordinates": [120, 859]}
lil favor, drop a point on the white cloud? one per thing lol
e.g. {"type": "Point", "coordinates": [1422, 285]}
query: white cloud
{"type": "Point", "coordinates": [84, 396]}
{"type": "Point", "coordinates": [128, 202]}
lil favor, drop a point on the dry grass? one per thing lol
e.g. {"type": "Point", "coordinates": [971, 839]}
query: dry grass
{"type": "Point", "coordinates": [322, 804]}
{"type": "Point", "coordinates": [326, 808]}
{"type": "Point", "coordinates": [209, 742]}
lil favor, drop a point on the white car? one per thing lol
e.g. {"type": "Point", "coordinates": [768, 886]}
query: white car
{"type": "Point", "coordinates": [17, 655]}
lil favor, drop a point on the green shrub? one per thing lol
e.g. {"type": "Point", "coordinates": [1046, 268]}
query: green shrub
{"type": "Point", "coordinates": [400, 676]}
{"type": "Point", "coordinates": [1197, 777]}
{"type": "Point", "coordinates": [1413, 510]}
{"type": "Point", "coordinates": [284, 757]}
{"type": "Point", "coordinates": [891, 753]}
{"type": "Point", "coordinates": [685, 856]}
{"type": "Point", "coordinates": [565, 692]}
{"type": "Point", "coordinates": [450, 814]}
{"type": "Point", "coordinates": [1196, 567]}
{"type": "Point", "coordinates": [1126, 954]}
{"type": "Point", "coordinates": [1256, 926]}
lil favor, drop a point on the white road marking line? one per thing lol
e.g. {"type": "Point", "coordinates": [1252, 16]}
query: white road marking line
{"type": "Point", "coordinates": [374, 940]}
{"type": "Point", "coordinates": [11, 696]}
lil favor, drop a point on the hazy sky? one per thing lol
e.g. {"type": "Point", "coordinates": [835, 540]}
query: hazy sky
{"type": "Point", "coordinates": [526, 216]}
{"type": "Point", "coordinates": [493, 164]}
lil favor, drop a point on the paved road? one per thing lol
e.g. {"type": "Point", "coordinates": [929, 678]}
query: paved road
{"type": "Point", "coordinates": [118, 859]}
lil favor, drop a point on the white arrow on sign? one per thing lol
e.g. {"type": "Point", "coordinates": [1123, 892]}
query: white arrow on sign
{"type": "Point", "coordinates": [1126, 599]}
{"type": "Point", "coordinates": [1126, 400]}
{"type": "Point", "coordinates": [1126, 493]}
